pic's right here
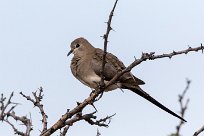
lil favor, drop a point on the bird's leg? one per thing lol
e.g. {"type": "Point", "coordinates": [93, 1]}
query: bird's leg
{"type": "Point", "coordinates": [92, 104]}
{"type": "Point", "coordinates": [93, 91]}
{"type": "Point", "coordinates": [100, 96]}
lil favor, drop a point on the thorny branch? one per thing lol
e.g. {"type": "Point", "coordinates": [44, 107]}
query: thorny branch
{"type": "Point", "coordinates": [73, 116]}
{"type": "Point", "coordinates": [105, 37]}
{"type": "Point", "coordinates": [152, 56]}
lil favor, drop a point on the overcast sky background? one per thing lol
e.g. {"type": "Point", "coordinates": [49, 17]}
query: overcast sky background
{"type": "Point", "coordinates": [35, 36]}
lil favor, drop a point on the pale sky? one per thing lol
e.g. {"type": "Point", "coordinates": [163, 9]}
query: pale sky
{"type": "Point", "coordinates": [35, 37]}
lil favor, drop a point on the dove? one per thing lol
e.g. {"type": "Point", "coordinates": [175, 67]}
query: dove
{"type": "Point", "coordinates": [86, 66]}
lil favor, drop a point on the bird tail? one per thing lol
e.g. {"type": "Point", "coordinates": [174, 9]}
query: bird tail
{"type": "Point", "coordinates": [140, 92]}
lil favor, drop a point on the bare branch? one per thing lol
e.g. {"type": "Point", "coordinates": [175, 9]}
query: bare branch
{"type": "Point", "coordinates": [64, 132]}
{"type": "Point", "coordinates": [105, 37]}
{"type": "Point", "coordinates": [199, 131]}
{"type": "Point", "coordinates": [4, 106]}
{"type": "Point", "coordinates": [16, 131]}
{"type": "Point", "coordinates": [98, 133]}
{"type": "Point", "coordinates": [101, 122]}
{"type": "Point", "coordinates": [183, 107]}
{"type": "Point", "coordinates": [11, 114]}
{"type": "Point", "coordinates": [61, 122]}
{"type": "Point", "coordinates": [37, 102]}
{"type": "Point", "coordinates": [152, 56]}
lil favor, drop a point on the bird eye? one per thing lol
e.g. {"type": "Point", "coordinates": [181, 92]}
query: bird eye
{"type": "Point", "coordinates": [77, 45]}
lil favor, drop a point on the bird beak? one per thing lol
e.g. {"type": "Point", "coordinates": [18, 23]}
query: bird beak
{"type": "Point", "coordinates": [69, 52]}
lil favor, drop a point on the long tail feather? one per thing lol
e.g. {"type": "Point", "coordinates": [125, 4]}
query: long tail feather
{"type": "Point", "coordinates": [145, 95]}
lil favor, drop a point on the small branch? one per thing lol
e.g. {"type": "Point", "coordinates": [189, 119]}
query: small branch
{"type": "Point", "coordinates": [9, 113]}
{"type": "Point", "coordinates": [16, 131]}
{"type": "Point", "coordinates": [183, 107]}
{"type": "Point", "coordinates": [101, 122]}
{"type": "Point", "coordinates": [152, 56]}
{"type": "Point", "coordinates": [4, 106]}
{"type": "Point", "coordinates": [69, 114]}
{"type": "Point", "coordinates": [199, 131]}
{"type": "Point", "coordinates": [98, 133]}
{"type": "Point", "coordinates": [37, 102]}
{"type": "Point", "coordinates": [64, 132]}
{"type": "Point", "coordinates": [105, 37]}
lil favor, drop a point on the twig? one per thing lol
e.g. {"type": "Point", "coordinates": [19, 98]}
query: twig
{"type": "Point", "coordinates": [16, 131]}
{"type": "Point", "coordinates": [199, 131]}
{"type": "Point", "coordinates": [9, 113]}
{"type": "Point", "coordinates": [105, 37]}
{"type": "Point", "coordinates": [101, 122]}
{"type": "Point", "coordinates": [37, 102]}
{"type": "Point", "coordinates": [64, 132]}
{"type": "Point", "coordinates": [183, 107]}
{"type": "Point", "coordinates": [98, 133]}
{"type": "Point", "coordinates": [4, 106]}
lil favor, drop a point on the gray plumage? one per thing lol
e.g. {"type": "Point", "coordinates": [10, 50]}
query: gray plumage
{"type": "Point", "coordinates": [86, 66]}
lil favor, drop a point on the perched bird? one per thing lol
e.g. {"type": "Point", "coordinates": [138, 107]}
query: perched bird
{"type": "Point", "coordinates": [86, 66]}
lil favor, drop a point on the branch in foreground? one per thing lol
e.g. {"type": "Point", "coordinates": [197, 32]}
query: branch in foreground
{"type": "Point", "coordinates": [152, 56]}
{"type": "Point", "coordinates": [105, 37]}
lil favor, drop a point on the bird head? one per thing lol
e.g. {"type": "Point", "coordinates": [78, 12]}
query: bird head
{"type": "Point", "coordinates": [80, 47]}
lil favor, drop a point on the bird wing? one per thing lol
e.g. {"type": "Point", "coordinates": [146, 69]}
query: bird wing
{"type": "Point", "coordinates": [112, 67]}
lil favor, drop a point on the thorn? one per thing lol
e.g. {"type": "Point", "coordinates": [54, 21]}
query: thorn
{"type": "Point", "coordinates": [113, 30]}
{"type": "Point", "coordinates": [78, 103]}
{"type": "Point", "coordinates": [202, 47]}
